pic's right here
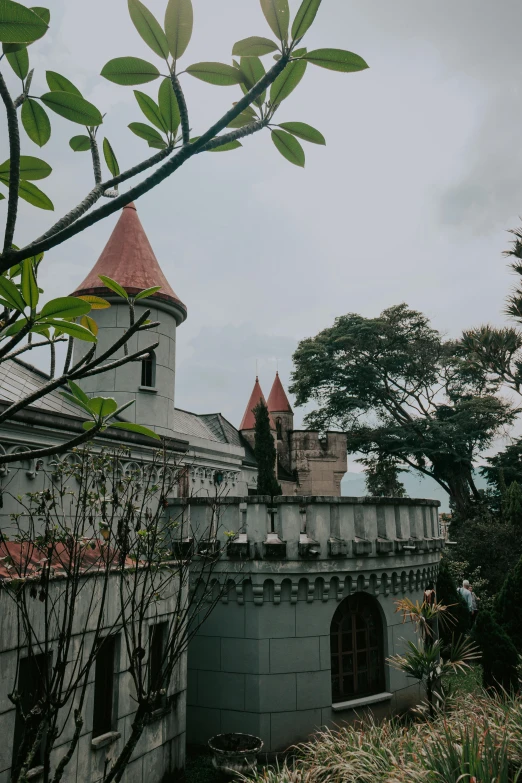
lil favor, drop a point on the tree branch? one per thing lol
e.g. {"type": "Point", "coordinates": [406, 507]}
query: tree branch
{"type": "Point", "coordinates": [96, 165]}
{"type": "Point", "coordinates": [182, 106]}
{"type": "Point", "coordinates": [14, 165]}
{"type": "Point", "coordinates": [240, 133]}
{"type": "Point", "coordinates": [30, 346]}
{"type": "Point", "coordinates": [49, 450]}
{"type": "Point", "coordinates": [8, 259]}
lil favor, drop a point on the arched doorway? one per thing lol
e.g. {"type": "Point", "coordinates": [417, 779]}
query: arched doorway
{"type": "Point", "coordinates": [357, 649]}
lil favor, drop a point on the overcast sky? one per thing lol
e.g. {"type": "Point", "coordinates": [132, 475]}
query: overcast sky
{"type": "Point", "coordinates": [409, 201]}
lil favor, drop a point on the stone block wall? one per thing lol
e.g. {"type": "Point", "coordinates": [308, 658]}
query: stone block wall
{"type": "Point", "coordinates": [161, 748]}
{"type": "Point", "coordinates": [261, 662]}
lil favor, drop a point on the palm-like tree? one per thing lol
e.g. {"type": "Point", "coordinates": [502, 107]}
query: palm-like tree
{"type": "Point", "coordinates": [422, 659]}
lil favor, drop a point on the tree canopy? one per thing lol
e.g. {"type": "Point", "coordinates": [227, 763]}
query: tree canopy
{"type": "Point", "coordinates": [399, 389]}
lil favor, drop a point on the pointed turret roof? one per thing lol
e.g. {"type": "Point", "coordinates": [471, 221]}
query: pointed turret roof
{"type": "Point", "coordinates": [249, 420]}
{"type": "Point", "coordinates": [129, 259]}
{"type": "Point", "coordinates": [277, 399]}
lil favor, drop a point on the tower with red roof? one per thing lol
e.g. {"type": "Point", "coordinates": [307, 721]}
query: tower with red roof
{"type": "Point", "coordinates": [283, 416]}
{"type": "Point", "coordinates": [129, 259]}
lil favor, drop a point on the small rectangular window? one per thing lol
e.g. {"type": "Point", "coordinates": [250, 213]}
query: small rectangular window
{"type": "Point", "coordinates": [148, 370]}
{"type": "Point", "coordinates": [103, 713]}
{"type": "Point", "coordinates": [157, 643]}
{"type": "Point", "coordinates": [31, 684]}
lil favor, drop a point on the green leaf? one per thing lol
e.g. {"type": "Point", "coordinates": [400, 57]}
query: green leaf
{"type": "Point", "coordinates": [43, 13]}
{"type": "Point", "coordinates": [150, 109]}
{"type": "Point", "coordinates": [80, 143]}
{"type": "Point", "coordinates": [113, 286]}
{"type": "Point", "coordinates": [31, 194]}
{"type": "Point", "coordinates": [254, 47]}
{"type": "Point", "coordinates": [158, 145]}
{"type": "Point", "coordinates": [277, 14]}
{"type": "Point", "coordinates": [72, 107]}
{"type": "Point", "coordinates": [77, 392]}
{"type": "Point", "coordinates": [16, 327]}
{"type": "Point", "coordinates": [299, 52]}
{"type": "Point", "coordinates": [89, 324]}
{"type": "Point", "coordinates": [90, 425]}
{"type": "Point", "coordinates": [287, 81]}
{"type": "Point", "coordinates": [58, 83]}
{"type": "Point", "coordinates": [36, 122]}
{"type": "Point", "coordinates": [28, 285]}
{"type": "Point", "coordinates": [2, 197]}
{"type": "Point", "coordinates": [230, 145]}
{"type": "Point", "coordinates": [19, 61]}
{"type": "Point", "coordinates": [75, 330]}
{"type": "Point", "coordinates": [241, 120]}
{"type": "Point", "coordinates": [305, 18]}
{"type": "Point", "coordinates": [146, 132]}
{"type": "Point", "coordinates": [149, 28]}
{"type": "Point", "coordinates": [252, 70]}
{"type": "Point", "coordinates": [72, 398]}
{"type": "Point", "coordinates": [179, 20]}
{"type": "Point", "coordinates": [30, 168]}
{"type": "Point", "coordinates": [110, 158]}
{"type": "Point", "coordinates": [337, 60]}
{"type": "Point", "coordinates": [19, 24]}
{"type": "Point", "coordinates": [139, 429]}
{"type": "Point", "coordinates": [289, 147]}
{"type": "Point", "coordinates": [96, 302]}
{"type": "Point", "coordinates": [129, 71]}
{"type": "Point", "coordinates": [65, 307]}
{"type": "Point", "coordinates": [102, 406]}
{"type": "Point", "coordinates": [303, 131]}
{"type": "Point", "coordinates": [168, 105]}
{"type": "Point", "coordinates": [10, 292]}
{"type": "Point", "coordinates": [215, 73]}
{"type": "Point", "coordinates": [147, 292]}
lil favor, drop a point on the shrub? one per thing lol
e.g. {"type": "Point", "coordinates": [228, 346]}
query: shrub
{"type": "Point", "coordinates": [508, 605]}
{"type": "Point", "coordinates": [447, 594]}
{"type": "Point", "coordinates": [499, 655]}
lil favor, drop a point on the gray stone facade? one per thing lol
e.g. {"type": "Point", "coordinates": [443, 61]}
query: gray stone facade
{"type": "Point", "coordinates": [261, 661]}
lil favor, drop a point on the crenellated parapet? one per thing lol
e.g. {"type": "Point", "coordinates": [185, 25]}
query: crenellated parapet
{"type": "Point", "coordinates": [328, 531]}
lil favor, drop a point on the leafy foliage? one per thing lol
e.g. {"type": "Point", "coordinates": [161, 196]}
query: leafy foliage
{"type": "Point", "coordinates": [499, 656]}
{"type": "Point", "coordinates": [266, 453]}
{"type": "Point", "coordinates": [508, 605]}
{"type": "Point", "coordinates": [382, 477]}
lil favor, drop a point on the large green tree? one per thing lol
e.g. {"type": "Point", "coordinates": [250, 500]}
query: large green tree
{"type": "Point", "coordinates": [398, 388]}
{"type": "Point", "coordinates": [29, 104]}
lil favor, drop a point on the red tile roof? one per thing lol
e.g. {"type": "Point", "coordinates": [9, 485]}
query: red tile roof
{"type": "Point", "coordinates": [25, 560]}
{"type": "Point", "coordinates": [129, 259]}
{"type": "Point", "coordinates": [277, 400]}
{"type": "Point", "coordinates": [249, 420]}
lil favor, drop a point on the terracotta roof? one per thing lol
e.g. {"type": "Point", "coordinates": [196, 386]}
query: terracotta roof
{"type": "Point", "coordinates": [277, 399]}
{"type": "Point", "coordinates": [249, 420]}
{"type": "Point", "coordinates": [129, 259]}
{"type": "Point", "coordinates": [25, 559]}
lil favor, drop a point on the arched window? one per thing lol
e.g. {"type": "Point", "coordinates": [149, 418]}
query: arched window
{"type": "Point", "coordinates": [356, 646]}
{"type": "Point", "coordinates": [279, 428]}
{"type": "Point", "coordinates": [148, 370]}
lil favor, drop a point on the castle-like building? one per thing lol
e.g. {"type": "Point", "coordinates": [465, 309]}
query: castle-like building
{"type": "Point", "coordinates": [300, 637]}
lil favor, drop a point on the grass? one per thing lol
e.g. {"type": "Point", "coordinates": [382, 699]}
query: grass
{"type": "Point", "coordinates": [199, 767]}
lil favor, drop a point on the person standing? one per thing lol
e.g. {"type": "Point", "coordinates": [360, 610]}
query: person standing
{"type": "Point", "coordinates": [465, 593]}
{"type": "Point", "coordinates": [474, 605]}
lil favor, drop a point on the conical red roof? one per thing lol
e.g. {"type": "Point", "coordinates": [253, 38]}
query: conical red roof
{"type": "Point", "coordinates": [277, 400]}
{"type": "Point", "coordinates": [249, 420]}
{"type": "Point", "coordinates": [129, 259]}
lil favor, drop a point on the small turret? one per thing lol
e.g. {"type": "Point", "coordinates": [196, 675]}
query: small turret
{"type": "Point", "coordinates": [248, 422]}
{"type": "Point", "coordinates": [281, 411]}
{"type": "Point", "coordinates": [129, 259]}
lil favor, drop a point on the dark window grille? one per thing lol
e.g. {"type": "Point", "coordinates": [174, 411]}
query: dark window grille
{"type": "Point", "coordinates": [148, 370]}
{"type": "Point", "coordinates": [157, 643]}
{"type": "Point", "coordinates": [279, 429]}
{"type": "Point", "coordinates": [31, 685]}
{"type": "Point", "coordinates": [356, 646]}
{"type": "Point", "coordinates": [103, 713]}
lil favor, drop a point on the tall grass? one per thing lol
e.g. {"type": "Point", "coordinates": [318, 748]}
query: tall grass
{"type": "Point", "coordinates": [479, 741]}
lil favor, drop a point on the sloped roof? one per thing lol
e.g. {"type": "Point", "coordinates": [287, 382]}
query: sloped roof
{"type": "Point", "coordinates": [18, 379]}
{"type": "Point", "coordinates": [249, 420]}
{"type": "Point", "coordinates": [277, 399]}
{"type": "Point", "coordinates": [129, 259]}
